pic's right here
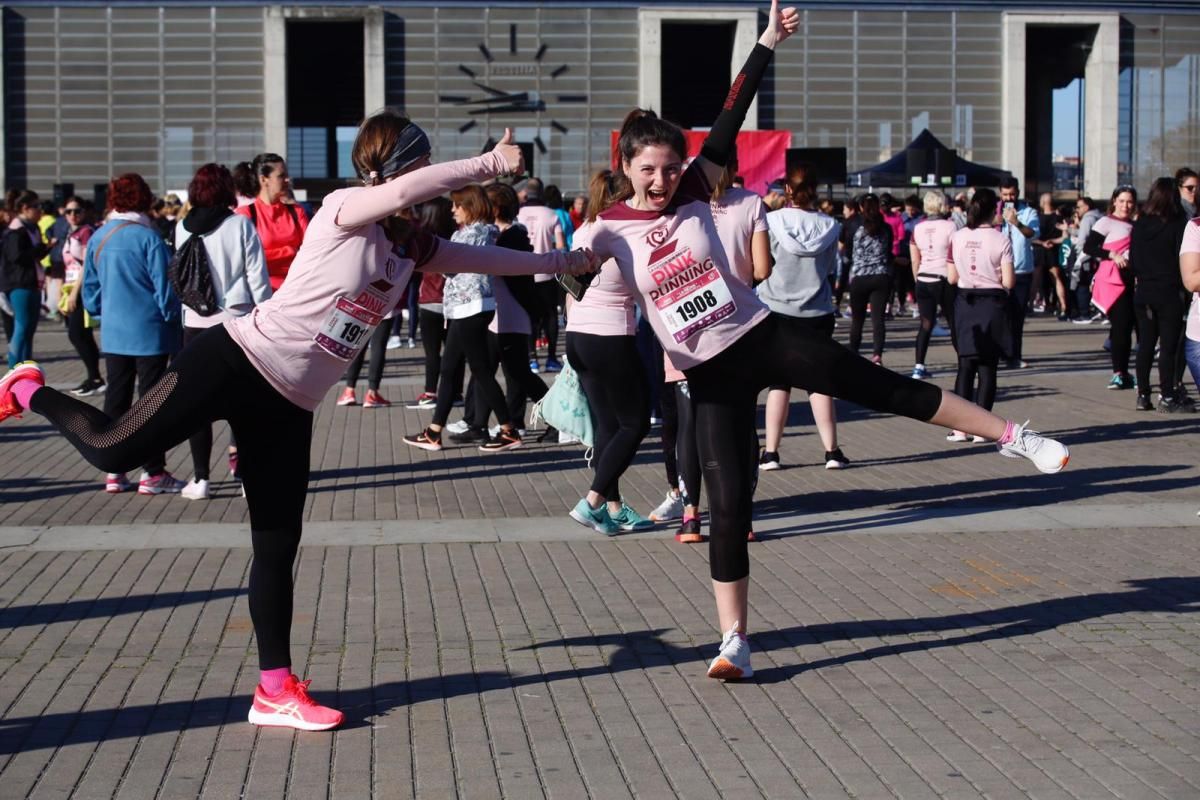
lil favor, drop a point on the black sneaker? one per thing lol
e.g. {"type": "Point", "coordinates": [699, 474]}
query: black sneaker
{"type": "Point", "coordinates": [89, 387]}
{"type": "Point", "coordinates": [1173, 405]}
{"type": "Point", "coordinates": [504, 440]}
{"type": "Point", "coordinates": [836, 459]}
{"type": "Point", "coordinates": [768, 461]}
{"type": "Point", "coordinates": [549, 435]}
{"type": "Point", "coordinates": [470, 436]}
{"type": "Point", "coordinates": [426, 440]}
{"type": "Point", "coordinates": [1143, 403]}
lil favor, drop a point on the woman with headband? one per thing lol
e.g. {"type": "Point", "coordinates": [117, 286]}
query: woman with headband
{"type": "Point", "coordinates": [659, 230]}
{"type": "Point", "coordinates": [266, 372]}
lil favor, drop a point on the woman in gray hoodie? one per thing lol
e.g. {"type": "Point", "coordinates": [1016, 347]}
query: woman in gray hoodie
{"type": "Point", "coordinates": [799, 292]}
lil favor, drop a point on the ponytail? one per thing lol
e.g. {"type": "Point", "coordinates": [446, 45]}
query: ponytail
{"type": "Point", "coordinates": [606, 189]}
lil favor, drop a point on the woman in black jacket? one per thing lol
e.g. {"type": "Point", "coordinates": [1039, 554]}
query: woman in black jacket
{"type": "Point", "coordinates": [1159, 297]}
{"type": "Point", "coordinates": [20, 274]}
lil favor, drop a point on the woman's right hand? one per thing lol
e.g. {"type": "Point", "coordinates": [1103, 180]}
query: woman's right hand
{"type": "Point", "coordinates": [780, 25]}
{"type": "Point", "coordinates": [581, 261]}
{"type": "Point", "coordinates": [72, 301]}
{"type": "Point", "coordinates": [507, 149]}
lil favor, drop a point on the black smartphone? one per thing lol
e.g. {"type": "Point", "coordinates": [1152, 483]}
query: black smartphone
{"type": "Point", "coordinates": [576, 285]}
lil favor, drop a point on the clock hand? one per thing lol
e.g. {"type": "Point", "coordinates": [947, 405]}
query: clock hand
{"type": "Point", "coordinates": [527, 106]}
{"type": "Point", "coordinates": [489, 89]}
{"type": "Point", "coordinates": [508, 98]}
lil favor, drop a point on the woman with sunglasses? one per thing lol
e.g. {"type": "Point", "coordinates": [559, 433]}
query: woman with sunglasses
{"type": "Point", "coordinates": [660, 233]}
{"type": "Point", "coordinates": [78, 216]}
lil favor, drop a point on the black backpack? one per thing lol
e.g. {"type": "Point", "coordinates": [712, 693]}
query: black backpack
{"type": "Point", "coordinates": [191, 277]}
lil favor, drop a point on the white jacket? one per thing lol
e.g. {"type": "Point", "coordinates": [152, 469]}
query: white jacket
{"type": "Point", "coordinates": [239, 271]}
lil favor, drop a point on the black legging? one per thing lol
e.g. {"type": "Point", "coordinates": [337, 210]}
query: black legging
{"type": "Point", "coordinates": [1160, 320]}
{"type": "Point", "coordinates": [433, 336]}
{"type": "Point", "coordinates": [547, 294]}
{"type": "Point", "coordinates": [378, 357]}
{"type": "Point", "coordinates": [971, 368]}
{"type": "Point", "coordinates": [509, 352]}
{"type": "Point", "coordinates": [201, 442]}
{"type": "Point", "coordinates": [873, 289]}
{"type": "Point", "coordinates": [1121, 316]}
{"type": "Point", "coordinates": [467, 338]}
{"type": "Point", "coordinates": [210, 380]}
{"type": "Point", "coordinates": [618, 393]}
{"type": "Point", "coordinates": [725, 391]}
{"type": "Point", "coordinates": [933, 296]}
{"type": "Point", "coordinates": [84, 342]}
{"type": "Point", "coordinates": [1018, 307]}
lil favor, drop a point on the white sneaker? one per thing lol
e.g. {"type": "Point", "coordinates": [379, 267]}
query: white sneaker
{"type": "Point", "coordinates": [566, 438]}
{"type": "Point", "coordinates": [412, 343]}
{"type": "Point", "coordinates": [458, 427]}
{"type": "Point", "coordinates": [957, 436]}
{"type": "Point", "coordinates": [1048, 455]}
{"type": "Point", "coordinates": [733, 662]}
{"type": "Point", "coordinates": [195, 490]}
{"type": "Point", "coordinates": [978, 439]}
{"type": "Point", "coordinates": [393, 343]}
{"type": "Point", "coordinates": [670, 508]}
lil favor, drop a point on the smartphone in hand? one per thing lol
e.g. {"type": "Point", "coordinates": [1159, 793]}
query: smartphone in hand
{"type": "Point", "coordinates": [576, 285]}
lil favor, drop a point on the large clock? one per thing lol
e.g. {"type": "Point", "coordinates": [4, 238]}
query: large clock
{"type": "Point", "coordinates": [480, 77]}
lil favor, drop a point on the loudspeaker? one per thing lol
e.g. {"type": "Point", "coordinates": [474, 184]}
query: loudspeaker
{"type": "Point", "coordinates": [61, 192]}
{"type": "Point", "coordinates": [829, 161]}
{"type": "Point", "coordinates": [916, 163]}
{"type": "Point", "coordinates": [944, 164]}
{"type": "Point", "coordinates": [100, 197]}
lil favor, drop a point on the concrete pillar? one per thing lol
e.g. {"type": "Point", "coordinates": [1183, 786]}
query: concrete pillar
{"type": "Point", "coordinates": [374, 67]}
{"type": "Point", "coordinates": [274, 81]}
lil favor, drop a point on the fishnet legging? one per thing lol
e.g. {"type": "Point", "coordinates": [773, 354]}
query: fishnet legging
{"type": "Point", "coordinates": [210, 380]}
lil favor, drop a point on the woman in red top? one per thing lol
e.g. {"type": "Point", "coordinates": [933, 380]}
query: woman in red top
{"type": "Point", "coordinates": [280, 224]}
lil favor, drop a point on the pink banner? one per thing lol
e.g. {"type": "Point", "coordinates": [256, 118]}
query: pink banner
{"type": "Point", "coordinates": [762, 155]}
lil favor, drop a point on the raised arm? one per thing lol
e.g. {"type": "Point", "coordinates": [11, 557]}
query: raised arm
{"type": "Point", "coordinates": [717, 147]}
{"type": "Point", "coordinates": [379, 202]}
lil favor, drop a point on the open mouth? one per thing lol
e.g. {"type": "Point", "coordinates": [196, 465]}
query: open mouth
{"type": "Point", "coordinates": [656, 195]}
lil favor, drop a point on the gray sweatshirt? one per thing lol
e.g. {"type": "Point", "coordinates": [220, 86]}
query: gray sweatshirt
{"type": "Point", "coordinates": [804, 246]}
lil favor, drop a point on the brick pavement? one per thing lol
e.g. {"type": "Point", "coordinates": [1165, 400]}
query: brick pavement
{"type": "Point", "coordinates": [910, 640]}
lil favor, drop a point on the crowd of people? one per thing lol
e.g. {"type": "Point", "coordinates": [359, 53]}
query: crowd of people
{"type": "Point", "coordinates": [238, 305]}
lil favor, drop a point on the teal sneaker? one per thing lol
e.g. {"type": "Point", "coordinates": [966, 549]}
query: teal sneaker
{"type": "Point", "coordinates": [597, 519]}
{"type": "Point", "coordinates": [629, 520]}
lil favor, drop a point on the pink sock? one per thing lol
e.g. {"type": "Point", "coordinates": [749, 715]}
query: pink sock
{"type": "Point", "coordinates": [272, 680]}
{"type": "Point", "coordinates": [1008, 433]}
{"type": "Point", "coordinates": [23, 390]}
{"type": "Point", "coordinates": [686, 517]}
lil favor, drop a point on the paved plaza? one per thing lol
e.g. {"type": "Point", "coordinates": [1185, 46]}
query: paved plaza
{"type": "Point", "coordinates": [935, 621]}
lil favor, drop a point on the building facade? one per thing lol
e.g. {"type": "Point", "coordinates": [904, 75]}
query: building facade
{"type": "Point", "coordinates": [94, 90]}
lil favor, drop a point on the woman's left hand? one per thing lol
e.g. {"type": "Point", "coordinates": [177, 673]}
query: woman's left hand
{"type": "Point", "coordinates": [1121, 260]}
{"type": "Point", "coordinates": [780, 25]}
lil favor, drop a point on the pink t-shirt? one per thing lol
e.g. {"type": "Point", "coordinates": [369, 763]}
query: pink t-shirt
{"type": "Point", "coordinates": [607, 307]}
{"type": "Point", "coordinates": [542, 223]}
{"type": "Point", "coordinates": [347, 277]}
{"type": "Point", "coordinates": [739, 214]}
{"type": "Point", "coordinates": [978, 255]}
{"type": "Point", "coordinates": [932, 238]}
{"type": "Point", "coordinates": [1191, 244]}
{"type": "Point", "coordinates": [1116, 232]}
{"type": "Point", "coordinates": [676, 266]}
{"type": "Point", "coordinates": [511, 316]}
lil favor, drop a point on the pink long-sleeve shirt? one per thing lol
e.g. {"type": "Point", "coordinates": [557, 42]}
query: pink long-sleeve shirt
{"type": "Point", "coordinates": [348, 276]}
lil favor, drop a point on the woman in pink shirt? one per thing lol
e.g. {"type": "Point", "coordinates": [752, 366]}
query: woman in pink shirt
{"type": "Point", "coordinates": [267, 371]}
{"type": "Point", "coordinates": [980, 264]}
{"type": "Point", "coordinates": [1108, 243]}
{"type": "Point", "coordinates": [928, 250]}
{"type": "Point", "coordinates": [661, 235]}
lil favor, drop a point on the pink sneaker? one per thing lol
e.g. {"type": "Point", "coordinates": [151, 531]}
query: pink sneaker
{"type": "Point", "coordinates": [347, 397]}
{"type": "Point", "coordinates": [162, 483]}
{"type": "Point", "coordinates": [293, 708]}
{"type": "Point", "coordinates": [116, 482]}
{"type": "Point", "coordinates": [375, 400]}
{"type": "Point", "coordinates": [25, 371]}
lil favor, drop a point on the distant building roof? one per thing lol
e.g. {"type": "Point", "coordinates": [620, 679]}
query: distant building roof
{"type": "Point", "coordinates": [1049, 6]}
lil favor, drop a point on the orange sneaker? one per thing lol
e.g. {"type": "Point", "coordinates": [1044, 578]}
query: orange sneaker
{"type": "Point", "coordinates": [375, 400]}
{"type": "Point", "coordinates": [25, 371]}
{"type": "Point", "coordinates": [347, 398]}
{"type": "Point", "coordinates": [689, 532]}
{"type": "Point", "coordinates": [293, 708]}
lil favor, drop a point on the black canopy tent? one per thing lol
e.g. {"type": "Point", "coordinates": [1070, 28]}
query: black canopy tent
{"type": "Point", "coordinates": [926, 157]}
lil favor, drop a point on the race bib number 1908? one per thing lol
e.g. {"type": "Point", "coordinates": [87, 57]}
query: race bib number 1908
{"type": "Point", "coordinates": [347, 329]}
{"type": "Point", "coordinates": [697, 304]}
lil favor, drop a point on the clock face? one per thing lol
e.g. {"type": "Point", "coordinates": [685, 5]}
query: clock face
{"type": "Point", "coordinates": [484, 99]}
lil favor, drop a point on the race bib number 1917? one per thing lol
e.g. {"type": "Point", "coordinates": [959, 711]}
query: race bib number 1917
{"type": "Point", "coordinates": [347, 329]}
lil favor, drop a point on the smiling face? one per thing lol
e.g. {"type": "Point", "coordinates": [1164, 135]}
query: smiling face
{"type": "Point", "coordinates": [654, 173]}
{"type": "Point", "coordinates": [1123, 205]}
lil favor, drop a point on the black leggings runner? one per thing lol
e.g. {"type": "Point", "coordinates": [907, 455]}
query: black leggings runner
{"type": "Point", "coordinates": [210, 380]}
{"type": "Point", "coordinates": [618, 393]}
{"type": "Point", "coordinates": [467, 337]}
{"type": "Point", "coordinates": [725, 390]}
{"type": "Point", "coordinates": [84, 342]}
{"type": "Point", "coordinates": [1160, 321]}
{"type": "Point", "coordinates": [873, 289]}
{"type": "Point", "coordinates": [378, 358]}
{"type": "Point", "coordinates": [932, 296]}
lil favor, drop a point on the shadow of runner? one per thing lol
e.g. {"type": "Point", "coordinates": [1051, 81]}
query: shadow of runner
{"type": "Point", "coordinates": [637, 650]}
{"type": "Point", "coordinates": [107, 607]}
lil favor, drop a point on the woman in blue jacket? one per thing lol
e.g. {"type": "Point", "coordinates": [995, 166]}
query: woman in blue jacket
{"type": "Point", "coordinates": [125, 284]}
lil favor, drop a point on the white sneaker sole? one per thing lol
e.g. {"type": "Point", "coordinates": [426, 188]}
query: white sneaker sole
{"type": "Point", "coordinates": [587, 523]}
{"type": "Point", "coordinates": [151, 490]}
{"type": "Point", "coordinates": [430, 447]}
{"type": "Point", "coordinates": [833, 464]}
{"type": "Point", "coordinates": [257, 717]}
{"type": "Point", "coordinates": [655, 517]}
{"type": "Point", "coordinates": [771, 465]}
